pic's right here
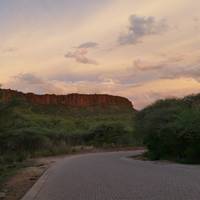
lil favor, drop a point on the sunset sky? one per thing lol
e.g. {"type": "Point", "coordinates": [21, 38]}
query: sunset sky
{"type": "Point", "coordinates": [141, 49]}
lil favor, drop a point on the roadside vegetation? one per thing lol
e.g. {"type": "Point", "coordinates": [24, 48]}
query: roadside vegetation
{"type": "Point", "coordinates": [171, 129]}
{"type": "Point", "coordinates": [28, 131]}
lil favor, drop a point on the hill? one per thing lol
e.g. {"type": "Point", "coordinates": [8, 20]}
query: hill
{"type": "Point", "coordinates": [47, 124]}
{"type": "Point", "coordinates": [69, 101]}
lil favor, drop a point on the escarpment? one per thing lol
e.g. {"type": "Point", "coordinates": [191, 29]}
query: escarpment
{"type": "Point", "coordinates": [69, 100]}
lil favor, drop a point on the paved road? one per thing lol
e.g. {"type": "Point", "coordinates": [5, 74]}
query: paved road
{"type": "Point", "coordinates": [113, 176]}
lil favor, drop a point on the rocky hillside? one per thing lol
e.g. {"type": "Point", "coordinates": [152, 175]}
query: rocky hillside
{"type": "Point", "coordinates": [70, 100]}
{"type": "Point", "coordinates": [66, 114]}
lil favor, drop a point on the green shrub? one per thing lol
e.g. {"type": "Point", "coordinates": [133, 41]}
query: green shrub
{"type": "Point", "coordinates": [28, 130]}
{"type": "Point", "coordinates": [171, 129]}
{"type": "Point", "coordinates": [110, 135]}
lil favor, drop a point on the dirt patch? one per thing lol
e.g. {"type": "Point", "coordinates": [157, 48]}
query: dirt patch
{"type": "Point", "coordinates": [17, 185]}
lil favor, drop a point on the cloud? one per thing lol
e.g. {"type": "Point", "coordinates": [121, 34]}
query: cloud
{"type": "Point", "coordinates": [76, 76]}
{"type": "Point", "coordinates": [141, 94]}
{"type": "Point", "coordinates": [29, 82]}
{"type": "Point", "coordinates": [88, 45]}
{"type": "Point", "coordinates": [80, 53]}
{"type": "Point", "coordinates": [171, 69]}
{"type": "Point", "coordinates": [196, 21]}
{"type": "Point", "coordinates": [178, 66]}
{"type": "Point", "coordinates": [29, 78]}
{"type": "Point", "coordinates": [144, 71]}
{"type": "Point", "coordinates": [183, 72]}
{"type": "Point", "coordinates": [9, 50]}
{"type": "Point", "coordinates": [80, 56]}
{"type": "Point", "coordinates": [140, 27]}
{"type": "Point", "coordinates": [144, 66]}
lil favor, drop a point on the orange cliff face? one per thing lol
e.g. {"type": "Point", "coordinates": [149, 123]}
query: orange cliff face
{"type": "Point", "coordinates": [70, 100]}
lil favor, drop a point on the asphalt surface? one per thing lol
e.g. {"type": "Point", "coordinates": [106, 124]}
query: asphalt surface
{"type": "Point", "coordinates": [115, 176]}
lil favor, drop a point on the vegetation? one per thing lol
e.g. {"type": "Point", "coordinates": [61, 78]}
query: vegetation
{"type": "Point", "coordinates": [114, 134]}
{"type": "Point", "coordinates": [171, 129]}
{"type": "Point", "coordinates": [30, 130]}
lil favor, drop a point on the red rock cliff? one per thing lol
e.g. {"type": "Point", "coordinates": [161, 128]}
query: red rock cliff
{"type": "Point", "coordinates": [70, 100]}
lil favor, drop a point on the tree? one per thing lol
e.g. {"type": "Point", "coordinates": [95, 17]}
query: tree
{"type": "Point", "coordinates": [171, 130]}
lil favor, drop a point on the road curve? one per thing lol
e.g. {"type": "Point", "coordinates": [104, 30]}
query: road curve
{"type": "Point", "coordinates": [115, 176]}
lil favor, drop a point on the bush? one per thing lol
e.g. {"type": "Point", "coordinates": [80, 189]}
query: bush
{"type": "Point", "coordinates": [109, 135]}
{"type": "Point", "coordinates": [171, 130]}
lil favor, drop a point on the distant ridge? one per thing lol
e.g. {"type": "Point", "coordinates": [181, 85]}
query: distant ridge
{"type": "Point", "coordinates": [69, 100]}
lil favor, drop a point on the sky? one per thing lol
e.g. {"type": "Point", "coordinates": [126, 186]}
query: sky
{"type": "Point", "coordinates": [140, 49]}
